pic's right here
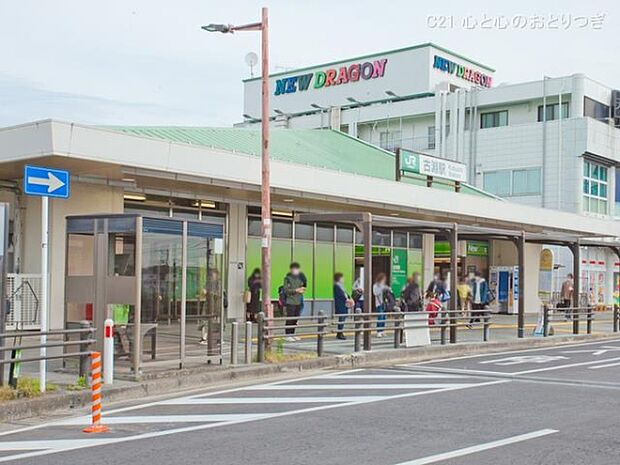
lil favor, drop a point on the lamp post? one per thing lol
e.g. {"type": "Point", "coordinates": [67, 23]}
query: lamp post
{"type": "Point", "coordinates": [263, 27]}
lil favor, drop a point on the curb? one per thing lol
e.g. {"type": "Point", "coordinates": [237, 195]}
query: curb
{"type": "Point", "coordinates": [204, 377]}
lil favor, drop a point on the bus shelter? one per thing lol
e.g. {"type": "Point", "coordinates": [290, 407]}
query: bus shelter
{"type": "Point", "coordinates": [158, 279]}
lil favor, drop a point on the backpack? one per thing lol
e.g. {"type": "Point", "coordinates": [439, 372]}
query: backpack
{"type": "Point", "coordinates": [389, 301]}
{"type": "Point", "coordinates": [281, 296]}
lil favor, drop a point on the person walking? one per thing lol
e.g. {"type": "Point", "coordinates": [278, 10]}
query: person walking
{"type": "Point", "coordinates": [377, 291]}
{"type": "Point", "coordinates": [479, 297]}
{"type": "Point", "coordinates": [566, 294]}
{"type": "Point", "coordinates": [464, 297]}
{"type": "Point", "coordinates": [293, 289]}
{"type": "Point", "coordinates": [254, 287]}
{"type": "Point", "coordinates": [342, 303]}
{"type": "Point", "coordinates": [412, 295]}
{"type": "Point", "coordinates": [436, 288]}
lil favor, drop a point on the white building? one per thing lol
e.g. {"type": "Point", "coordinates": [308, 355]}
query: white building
{"type": "Point", "coordinates": [550, 143]}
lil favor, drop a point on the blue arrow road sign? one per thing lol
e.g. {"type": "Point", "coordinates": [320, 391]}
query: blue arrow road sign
{"type": "Point", "coordinates": [46, 182]}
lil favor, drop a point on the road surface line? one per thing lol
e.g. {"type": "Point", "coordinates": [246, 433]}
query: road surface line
{"type": "Point", "coordinates": [419, 376]}
{"type": "Point", "coordinates": [310, 387]}
{"type": "Point", "coordinates": [273, 400]}
{"type": "Point", "coordinates": [80, 444]}
{"type": "Point", "coordinates": [146, 419]}
{"type": "Point", "coordinates": [569, 365]}
{"type": "Point", "coordinates": [492, 354]}
{"type": "Point", "coordinates": [605, 366]}
{"type": "Point", "coordinates": [479, 448]}
{"type": "Point", "coordinates": [163, 402]}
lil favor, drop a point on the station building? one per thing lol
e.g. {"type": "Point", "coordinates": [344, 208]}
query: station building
{"type": "Point", "coordinates": [553, 143]}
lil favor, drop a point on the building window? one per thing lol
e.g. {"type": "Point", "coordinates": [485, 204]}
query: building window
{"type": "Point", "coordinates": [390, 140]}
{"type": "Point", "coordinates": [595, 109]}
{"type": "Point", "coordinates": [594, 188]}
{"type": "Point", "coordinates": [526, 181]}
{"type": "Point", "coordinates": [507, 183]}
{"type": "Point", "coordinates": [553, 111]}
{"type": "Point", "coordinates": [494, 119]}
{"type": "Point", "coordinates": [431, 137]}
{"type": "Point", "coordinates": [497, 182]}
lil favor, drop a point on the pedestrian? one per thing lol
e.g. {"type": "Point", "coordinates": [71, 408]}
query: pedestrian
{"type": "Point", "coordinates": [293, 289]}
{"type": "Point", "coordinates": [411, 295]}
{"type": "Point", "coordinates": [253, 301]}
{"type": "Point", "coordinates": [436, 288]}
{"type": "Point", "coordinates": [342, 303]}
{"type": "Point", "coordinates": [566, 294]}
{"type": "Point", "coordinates": [377, 291]}
{"type": "Point", "coordinates": [479, 297]}
{"type": "Point", "coordinates": [464, 297]}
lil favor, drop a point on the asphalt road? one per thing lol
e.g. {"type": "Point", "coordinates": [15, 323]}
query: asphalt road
{"type": "Point", "coordinates": [540, 406]}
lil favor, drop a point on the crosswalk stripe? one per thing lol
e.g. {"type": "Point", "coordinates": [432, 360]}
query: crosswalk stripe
{"type": "Point", "coordinates": [270, 400]}
{"type": "Point", "coordinates": [309, 387]}
{"type": "Point", "coordinates": [608, 365]}
{"type": "Point", "coordinates": [143, 419]}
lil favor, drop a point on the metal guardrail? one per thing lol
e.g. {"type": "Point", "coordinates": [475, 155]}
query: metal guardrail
{"type": "Point", "coordinates": [576, 315]}
{"type": "Point", "coordinates": [86, 338]}
{"type": "Point", "coordinates": [360, 323]}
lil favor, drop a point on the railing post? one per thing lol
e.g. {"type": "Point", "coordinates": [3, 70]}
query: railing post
{"type": "Point", "coordinates": [575, 320]}
{"type": "Point", "coordinates": [358, 333]}
{"type": "Point", "coordinates": [397, 328]}
{"type": "Point", "coordinates": [248, 342]}
{"type": "Point", "coordinates": [443, 322]}
{"type": "Point", "coordinates": [615, 319]}
{"type": "Point", "coordinates": [486, 326]}
{"type": "Point", "coordinates": [260, 335]}
{"type": "Point", "coordinates": [319, 336]}
{"type": "Point", "coordinates": [590, 316]}
{"type": "Point", "coordinates": [545, 320]}
{"type": "Point", "coordinates": [85, 357]}
{"type": "Point", "coordinates": [234, 343]}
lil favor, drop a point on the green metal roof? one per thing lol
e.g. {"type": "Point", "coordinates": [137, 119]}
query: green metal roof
{"type": "Point", "coordinates": [324, 148]}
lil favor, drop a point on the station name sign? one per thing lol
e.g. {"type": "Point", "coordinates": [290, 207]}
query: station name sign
{"type": "Point", "coordinates": [331, 77]}
{"type": "Point", "coordinates": [462, 72]}
{"type": "Point", "coordinates": [431, 166]}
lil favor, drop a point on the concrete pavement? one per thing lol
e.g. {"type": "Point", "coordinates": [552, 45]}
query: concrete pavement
{"type": "Point", "coordinates": [544, 405]}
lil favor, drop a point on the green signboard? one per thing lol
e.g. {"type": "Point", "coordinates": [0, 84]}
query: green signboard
{"type": "Point", "coordinates": [474, 249]}
{"type": "Point", "coordinates": [377, 251]}
{"type": "Point", "coordinates": [399, 271]}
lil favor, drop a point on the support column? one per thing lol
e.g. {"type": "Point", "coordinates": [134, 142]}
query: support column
{"type": "Point", "coordinates": [576, 284]}
{"type": "Point", "coordinates": [454, 270]}
{"type": "Point", "coordinates": [367, 233]}
{"type": "Point", "coordinates": [520, 243]}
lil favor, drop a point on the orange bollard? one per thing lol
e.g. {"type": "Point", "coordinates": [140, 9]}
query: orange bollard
{"type": "Point", "coordinates": [95, 383]}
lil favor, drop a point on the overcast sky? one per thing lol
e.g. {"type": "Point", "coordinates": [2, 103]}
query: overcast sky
{"type": "Point", "coordinates": [148, 62]}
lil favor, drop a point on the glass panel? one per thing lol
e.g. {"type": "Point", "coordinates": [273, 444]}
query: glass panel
{"type": "Point", "coordinates": [595, 171]}
{"type": "Point", "coordinates": [304, 231]}
{"type": "Point", "coordinates": [80, 225]}
{"type": "Point", "coordinates": [586, 186]}
{"type": "Point", "coordinates": [400, 239]}
{"type": "Point", "coordinates": [503, 118]}
{"type": "Point", "coordinates": [594, 188]}
{"type": "Point", "coordinates": [415, 241]}
{"type": "Point", "coordinates": [586, 169]}
{"type": "Point", "coordinates": [325, 233]}
{"type": "Point", "coordinates": [283, 229]}
{"type": "Point", "coordinates": [344, 258]}
{"type": "Point", "coordinates": [344, 234]}
{"type": "Point", "coordinates": [303, 253]}
{"type": "Point", "coordinates": [603, 190]}
{"type": "Point", "coordinates": [121, 254]}
{"type": "Point", "coordinates": [80, 255]}
{"type": "Point", "coordinates": [497, 182]}
{"type": "Point", "coordinates": [254, 227]}
{"type": "Point", "coordinates": [324, 263]}
{"type": "Point", "coordinates": [161, 293]}
{"type": "Point", "coordinates": [381, 237]}
{"type": "Point", "coordinates": [603, 173]}
{"type": "Point", "coordinates": [280, 263]}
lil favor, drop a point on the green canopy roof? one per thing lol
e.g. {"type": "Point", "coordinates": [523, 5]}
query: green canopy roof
{"type": "Point", "coordinates": [324, 148]}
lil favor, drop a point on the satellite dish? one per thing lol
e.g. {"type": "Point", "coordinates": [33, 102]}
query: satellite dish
{"type": "Point", "coordinates": [251, 59]}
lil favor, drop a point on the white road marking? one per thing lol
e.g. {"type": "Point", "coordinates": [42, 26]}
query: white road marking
{"type": "Point", "coordinates": [518, 351]}
{"type": "Point", "coordinates": [144, 419]}
{"type": "Point", "coordinates": [271, 400]}
{"type": "Point", "coordinates": [608, 365]}
{"type": "Point", "coordinates": [310, 387]}
{"type": "Point", "coordinates": [559, 367]}
{"type": "Point", "coordinates": [479, 448]}
{"type": "Point", "coordinates": [521, 359]}
{"type": "Point", "coordinates": [52, 447]}
{"type": "Point", "coordinates": [403, 376]}
{"type": "Point", "coordinates": [601, 351]}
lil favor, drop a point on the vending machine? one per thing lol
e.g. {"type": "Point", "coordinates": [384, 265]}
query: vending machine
{"type": "Point", "coordinates": [504, 287]}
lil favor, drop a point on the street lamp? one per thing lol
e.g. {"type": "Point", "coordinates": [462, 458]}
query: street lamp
{"type": "Point", "coordinates": [263, 27]}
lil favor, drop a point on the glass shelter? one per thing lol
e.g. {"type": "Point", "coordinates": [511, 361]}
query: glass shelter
{"type": "Point", "coordinates": [159, 279]}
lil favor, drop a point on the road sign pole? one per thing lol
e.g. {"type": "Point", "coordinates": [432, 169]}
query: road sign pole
{"type": "Point", "coordinates": [44, 289]}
